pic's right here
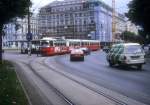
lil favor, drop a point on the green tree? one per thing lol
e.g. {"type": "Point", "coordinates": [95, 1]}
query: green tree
{"type": "Point", "coordinates": [139, 13]}
{"type": "Point", "coordinates": [10, 9]}
{"type": "Point", "coordinates": [131, 37]}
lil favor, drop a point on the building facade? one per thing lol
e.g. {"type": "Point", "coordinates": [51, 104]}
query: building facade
{"type": "Point", "coordinates": [13, 37]}
{"type": "Point", "coordinates": [77, 19]}
{"type": "Point", "coordinates": [132, 27]}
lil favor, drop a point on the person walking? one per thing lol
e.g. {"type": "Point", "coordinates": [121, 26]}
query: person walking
{"type": "Point", "coordinates": [37, 50]}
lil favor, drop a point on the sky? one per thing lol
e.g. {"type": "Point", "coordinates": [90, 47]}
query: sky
{"type": "Point", "coordinates": [121, 5]}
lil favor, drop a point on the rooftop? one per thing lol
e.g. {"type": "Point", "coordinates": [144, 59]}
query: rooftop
{"type": "Point", "coordinates": [67, 2]}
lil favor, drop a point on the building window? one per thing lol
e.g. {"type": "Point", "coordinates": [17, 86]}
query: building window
{"type": "Point", "coordinates": [57, 16]}
{"type": "Point", "coordinates": [80, 14]}
{"type": "Point", "coordinates": [80, 7]}
{"type": "Point", "coordinates": [76, 15]}
{"type": "Point", "coordinates": [76, 8]}
{"type": "Point", "coordinates": [84, 22]}
{"type": "Point", "coordinates": [71, 8]}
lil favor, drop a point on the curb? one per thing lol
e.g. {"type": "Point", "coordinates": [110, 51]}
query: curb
{"type": "Point", "coordinates": [24, 90]}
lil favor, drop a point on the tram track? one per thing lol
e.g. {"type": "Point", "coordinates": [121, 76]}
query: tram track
{"type": "Point", "coordinates": [68, 101]}
{"type": "Point", "coordinates": [124, 100]}
{"type": "Point", "coordinates": [118, 102]}
{"type": "Point", "coordinates": [53, 67]}
{"type": "Point", "coordinates": [58, 93]}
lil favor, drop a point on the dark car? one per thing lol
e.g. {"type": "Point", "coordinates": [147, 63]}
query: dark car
{"type": "Point", "coordinates": [106, 49]}
{"type": "Point", "coordinates": [76, 54]}
{"type": "Point", "coordinates": [86, 50]}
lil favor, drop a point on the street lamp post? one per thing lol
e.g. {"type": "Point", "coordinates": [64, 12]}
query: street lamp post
{"type": "Point", "coordinates": [29, 34]}
{"type": "Point", "coordinates": [113, 21]}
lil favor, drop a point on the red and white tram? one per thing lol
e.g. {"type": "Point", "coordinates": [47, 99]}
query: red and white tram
{"type": "Point", "coordinates": [54, 46]}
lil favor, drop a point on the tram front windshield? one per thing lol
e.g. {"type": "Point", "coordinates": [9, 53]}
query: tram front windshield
{"type": "Point", "coordinates": [45, 43]}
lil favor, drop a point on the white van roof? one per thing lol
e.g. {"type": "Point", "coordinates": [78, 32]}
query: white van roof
{"type": "Point", "coordinates": [126, 44]}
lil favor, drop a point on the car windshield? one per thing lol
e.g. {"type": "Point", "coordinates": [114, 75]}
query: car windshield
{"type": "Point", "coordinates": [133, 49]}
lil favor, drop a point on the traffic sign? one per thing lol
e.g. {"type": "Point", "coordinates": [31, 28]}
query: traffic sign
{"type": "Point", "coordinates": [29, 36]}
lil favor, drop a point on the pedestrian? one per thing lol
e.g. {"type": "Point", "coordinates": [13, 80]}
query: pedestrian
{"type": "Point", "coordinates": [37, 50]}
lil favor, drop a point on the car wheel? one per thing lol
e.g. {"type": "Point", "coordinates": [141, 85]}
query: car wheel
{"type": "Point", "coordinates": [21, 52]}
{"type": "Point", "coordinates": [82, 58]}
{"type": "Point", "coordinates": [139, 67]}
{"type": "Point", "coordinates": [71, 59]}
{"type": "Point", "coordinates": [110, 63]}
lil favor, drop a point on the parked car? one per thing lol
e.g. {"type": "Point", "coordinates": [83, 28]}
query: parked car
{"type": "Point", "coordinates": [106, 49]}
{"type": "Point", "coordinates": [126, 54]}
{"type": "Point", "coordinates": [86, 50]}
{"type": "Point", "coordinates": [76, 54]}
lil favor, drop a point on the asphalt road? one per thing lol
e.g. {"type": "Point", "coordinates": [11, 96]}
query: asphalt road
{"type": "Point", "coordinates": [121, 85]}
{"type": "Point", "coordinates": [128, 81]}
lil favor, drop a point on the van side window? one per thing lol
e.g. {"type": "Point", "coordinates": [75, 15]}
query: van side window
{"type": "Point", "coordinates": [116, 49]}
{"type": "Point", "coordinates": [120, 50]}
{"type": "Point", "coordinates": [111, 50]}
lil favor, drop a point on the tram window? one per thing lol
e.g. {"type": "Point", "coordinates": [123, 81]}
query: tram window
{"type": "Point", "coordinates": [70, 44]}
{"type": "Point", "coordinates": [82, 43]}
{"type": "Point", "coordinates": [87, 43]}
{"type": "Point", "coordinates": [51, 43]}
{"type": "Point", "coordinates": [78, 43]}
{"type": "Point", "coordinates": [44, 43]}
{"type": "Point", "coordinates": [63, 44]}
{"type": "Point", "coordinates": [56, 44]}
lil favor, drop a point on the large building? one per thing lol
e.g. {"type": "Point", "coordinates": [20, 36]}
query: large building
{"type": "Point", "coordinates": [132, 27]}
{"type": "Point", "coordinates": [77, 19]}
{"type": "Point", "coordinates": [72, 19]}
{"type": "Point", "coordinates": [14, 37]}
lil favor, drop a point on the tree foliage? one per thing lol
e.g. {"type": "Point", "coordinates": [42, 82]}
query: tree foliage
{"type": "Point", "coordinates": [10, 9]}
{"type": "Point", "coordinates": [139, 14]}
{"type": "Point", "coordinates": [128, 36]}
{"type": "Point", "coordinates": [13, 8]}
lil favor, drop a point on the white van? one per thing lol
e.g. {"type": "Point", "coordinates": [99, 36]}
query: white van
{"type": "Point", "coordinates": [126, 54]}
